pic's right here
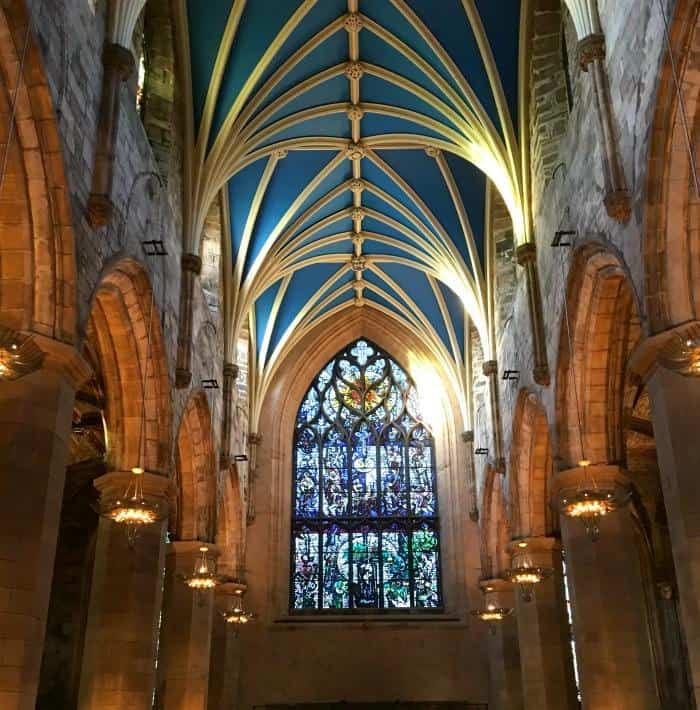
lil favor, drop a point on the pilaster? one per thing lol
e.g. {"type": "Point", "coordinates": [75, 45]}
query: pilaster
{"type": "Point", "coordinates": [191, 269]}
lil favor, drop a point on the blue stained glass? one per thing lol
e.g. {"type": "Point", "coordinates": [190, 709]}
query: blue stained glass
{"type": "Point", "coordinates": [395, 569]}
{"type": "Point", "coordinates": [310, 408]}
{"type": "Point", "coordinates": [393, 473]}
{"type": "Point", "coordinates": [365, 568]}
{"type": "Point", "coordinates": [307, 474]}
{"type": "Point", "coordinates": [420, 466]}
{"type": "Point", "coordinates": [425, 562]}
{"type": "Point", "coordinates": [306, 570]}
{"type": "Point", "coordinates": [335, 474]}
{"type": "Point", "coordinates": [336, 568]}
{"type": "Point", "coordinates": [365, 526]}
{"type": "Point", "coordinates": [364, 472]}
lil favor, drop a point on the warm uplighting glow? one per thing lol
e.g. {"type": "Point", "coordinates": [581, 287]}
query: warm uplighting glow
{"type": "Point", "coordinates": [204, 576]}
{"type": "Point", "coordinates": [133, 513]}
{"type": "Point", "coordinates": [682, 354]}
{"type": "Point", "coordinates": [522, 543]}
{"type": "Point", "coordinates": [19, 355]}
{"type": "Point", "coordinates": [589, 505]}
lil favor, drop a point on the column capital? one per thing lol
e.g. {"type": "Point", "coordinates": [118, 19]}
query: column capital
{"type": "Point", "coordinates": [64, 360]}
{"type": "Point", "coordinates": [115, 483]}
{"type": "Point", "coordinates": [498, 592]}
{"type": "Point", "coordinates": [191, 263]}
{"type": "Point", "coordinates": [468, 437]}
{"type": "Point", "coordinates": [526, 253]}
{"type": "Point", "coordinates": [618, 206]}
{"type": "Point", "coordinates": [231, 370]}
{"type": "Point", "coordinates": [254, 439]}
{"type": "Point", "coordinates": [192, 548]}
{"type": "Point", "coordinates": [489, 367]}
{"type": "Point", "coordinates": [603, 475]}
{"type": "Point", "coordinates": [536, 551]}
{"type": "Point", "coordinates": [590, 49]}
{"type": "Point", "coordinates": [119, 59]}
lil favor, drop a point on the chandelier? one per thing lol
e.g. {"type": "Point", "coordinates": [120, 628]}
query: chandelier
{"type": "Point", "coordinates": [133, 509]}
{"type": "Point", "coordinates": [237, 614]}
{"type": "Point", "coordinates": [492, 614]}
{"type": "Point", "coordinates": [682, 353]}
{"type": "Point", "coordinates": [590, 502]}
{"type": "Point", "coordinates": [204, 576]}
{"type": "Point", "coordinates": [19, 354]}
{"type": "Point", "coordinates": [525, 577]}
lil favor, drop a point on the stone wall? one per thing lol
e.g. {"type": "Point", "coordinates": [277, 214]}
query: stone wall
{"type": "Point", "coordinates": [573, 197]}
{"type": "Point", "coordinates": [71, 34]}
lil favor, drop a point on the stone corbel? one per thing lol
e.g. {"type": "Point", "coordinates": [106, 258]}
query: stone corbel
{"type": "Point", "coordinates": [526, 255]}
{"type": "Point", "coordinates": [191, 268]}
{"type": "Point", "coordinates": [490, 368]}
{"type": "Point", "coordinates": [230, 377]}
{"type": "Point", "coordinates": [468, 439]}
{"type": "Point", "coordinates": [254, 440]}
{"type": "Point", "coordinates": [591, 57]}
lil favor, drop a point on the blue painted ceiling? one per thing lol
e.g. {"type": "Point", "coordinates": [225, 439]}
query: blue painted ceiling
{"type": "Point", "coordinates": [423, 67]}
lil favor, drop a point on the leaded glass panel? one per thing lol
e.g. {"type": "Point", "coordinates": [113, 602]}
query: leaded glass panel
{"type": "Point", "coordinates": [365, 529]}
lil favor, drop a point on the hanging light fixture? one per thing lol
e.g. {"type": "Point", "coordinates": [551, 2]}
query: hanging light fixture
{"type": "Point", "coordinates": [19, 354]}
{"type": "Point", "coordinates": [682, 353]}
{"type": "Point", "coordinates": [525, 577]}
{"type": "Point", "coordinates": [589, 501]}
{"type": "Point", "coordinates": [237, 614]}
{"type": "Point", "coordinates": [134, 509]}
{"type": "Point", "coordinates": [204, 576]}
{"type": "Point", "coordinates": [492, 614]}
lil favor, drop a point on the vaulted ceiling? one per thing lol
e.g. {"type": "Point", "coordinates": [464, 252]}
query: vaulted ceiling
{"type": "Point", "coordinates": [357, 144]}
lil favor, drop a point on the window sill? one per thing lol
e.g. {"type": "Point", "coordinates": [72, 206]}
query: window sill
{"type": "Point", "coordinates": [385, 619]}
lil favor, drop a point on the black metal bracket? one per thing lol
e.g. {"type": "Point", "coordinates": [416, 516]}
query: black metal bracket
{"type": "Point", "coordinates": [481, 451]}
{"type": "Point", "coordinates": [560, 237]}
{"type": "Point", "coordinates": [511, 375]}
{"type": "Point", "coordinates": [210, 384]}
{"type": "Point", "coordinates": [154, 247]}
{"type": "Point", "coordinates": [240, 457]}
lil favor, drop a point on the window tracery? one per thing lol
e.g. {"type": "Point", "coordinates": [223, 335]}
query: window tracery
{"type": "Point", "coordinates": [365, 529]}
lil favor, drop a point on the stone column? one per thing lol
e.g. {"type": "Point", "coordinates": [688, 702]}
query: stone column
{"type": "Point", "coordinates": [191, 268]}
{"type": "Point", "coordinates": [610, 619]}
{"type": "Point", "coordinates": [230, 377]}
{"type": "Point", "coordinates": [118, 65]}
{"type": "Point", "coordinates": [591, 53]}
{"type": "Point", "coordinates": [468, 439]}
{"type": "Point", "coordinates": [254, 440]}
{"type": "Point", "coordinates": [543, 631]}
{"type": "Point", "coordinates": [675, 404]}
{"type": "Point", "coordinates": [225, 653]}
{"type": "Point", "coordinates": [185, 639]}
{"type": "Point", "coordinates": [490, 369]}
{"type": "Point", "coordinates": [35, 427]}
{"type": "Point", "coordinates": [505, 679]}
{"type": "Point", "coordinates": [526, 254]}
{"type": "Point", "coordinates": [121, 636]}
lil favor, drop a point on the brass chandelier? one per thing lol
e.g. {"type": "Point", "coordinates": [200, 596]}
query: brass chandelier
{"type": "Point", "coordinates": [204, 576]}
{"type": "Point", "coordinates": [526, 577]}
{"type": "Point", "coordinates": [236, 614]}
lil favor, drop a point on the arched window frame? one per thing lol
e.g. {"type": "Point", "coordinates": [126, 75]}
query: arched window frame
{"type": "Point", "coordinates": [358, 519]}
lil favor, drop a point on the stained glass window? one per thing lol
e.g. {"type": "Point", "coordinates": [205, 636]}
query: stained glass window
{"type": "Point", "coordinates": [365, 528]}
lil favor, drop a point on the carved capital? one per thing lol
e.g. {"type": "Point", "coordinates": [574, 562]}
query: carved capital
{"type": "Point", "coordinates": [541, 375]}
{"type": "Point", "coordinates": [192, 263]}
{"type": "Point", "coordinates": [118, 59]}
{"type": "Point", "coordinates": [618, 206]}
{"type": "Point", "coordinates": [183, 377]}
{"type": "Point", "coordinates": [100, 209]}
{"type": "Point", "coordinates": [590, 49]}
{"type": "Point", "coordinates": [231, 370]}
{"type": "Point", "coordinates": [254, 439]}
{"type": "Point", "coordinates": [468, 437]}
{"type": "Point", "coordinates": [526, 253]}
{"type": "Point", "coordinates": [490, 367]}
